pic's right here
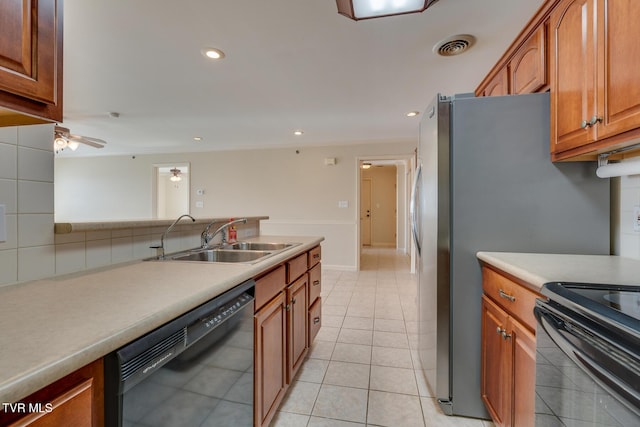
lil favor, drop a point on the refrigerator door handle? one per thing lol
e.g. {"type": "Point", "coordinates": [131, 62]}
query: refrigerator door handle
{"type": "Point", "coordinates": [413, 208]}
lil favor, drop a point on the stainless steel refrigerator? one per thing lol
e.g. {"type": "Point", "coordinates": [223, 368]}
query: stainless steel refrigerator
{"type": "Point", "coordinates": [485, 182]}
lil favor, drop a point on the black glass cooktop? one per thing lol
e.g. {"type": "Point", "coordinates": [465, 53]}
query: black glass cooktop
{"type": "Point", "coordinates": [613, 304]}
{"type": "Point", "coordinates": [624, 301]}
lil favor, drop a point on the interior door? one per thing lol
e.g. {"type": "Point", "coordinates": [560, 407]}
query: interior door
{"type": "Point", "coordinates": [365, 212]}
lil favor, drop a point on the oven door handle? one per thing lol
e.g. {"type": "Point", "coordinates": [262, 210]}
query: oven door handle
{"type": "Point", "coordinates": [555, 328]}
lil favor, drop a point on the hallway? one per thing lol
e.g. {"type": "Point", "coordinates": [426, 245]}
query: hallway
{"type": "Point", "coordinates": [362, 369]}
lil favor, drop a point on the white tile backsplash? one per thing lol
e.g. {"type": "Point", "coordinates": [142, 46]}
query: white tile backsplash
{"type": "Point", "coordinates": [35, 230]}
{"type": "Point", "coordinates": [40, 199]}
{"type": "Point", "coordinates": [70, 257]}
{"type": "Point", "coordinates": [35, 165]}
{"type": "Point", "coordinates": [8, 162]}
{"type": "Point", "coordinates": [11, 222]}
{"type": "Point", "coordinates": [36, 262]}
{"type": "Point", "coordinates": [36, 136]}
{"type": "Point", "coordinates": [8, 266]}
{"type": "Point", "coordinates": [9, 135]}
{"type": "Point", "coordinates": [9, 195]}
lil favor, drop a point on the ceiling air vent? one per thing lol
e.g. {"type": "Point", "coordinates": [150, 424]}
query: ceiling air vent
{"type": "Point", "coordinates": [454, 45]}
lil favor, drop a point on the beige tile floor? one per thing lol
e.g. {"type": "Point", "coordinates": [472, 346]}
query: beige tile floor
{"type": "Point", "coordinates": [362, 369]}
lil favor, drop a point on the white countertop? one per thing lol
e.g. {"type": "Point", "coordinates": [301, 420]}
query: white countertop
{"type": "Point", "coordinates": [538, 269]}
{"type": "Point", "coordinates": [52, 327]}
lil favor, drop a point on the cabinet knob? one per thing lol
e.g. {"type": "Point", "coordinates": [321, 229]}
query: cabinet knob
{"type": "Point", "coordinates": [293, 300]}
{"type": "Point", "coordinates": [316, 320]}
{"type": "Point", "coordinates": [587, 124]}
{"type": "Point", "coordinates": [316, 282]}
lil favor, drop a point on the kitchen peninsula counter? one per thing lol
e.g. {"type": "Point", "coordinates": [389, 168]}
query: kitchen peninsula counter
{"type": "Point", "coordinates": [76, 226]}
{"type": "Point", "coordinates": [54, 326]}
{"type": "Point", "coordinates": [537, 269]}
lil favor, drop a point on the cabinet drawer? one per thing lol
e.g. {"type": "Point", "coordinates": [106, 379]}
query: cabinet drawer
{"type": "Point", "coordinates": [315, 279]}
{"type": "Point", "coordinates": [269, 285]}
{"type": "Point", "coordinates": [315, 319]}
{"type": "Point", "coordinates": [315, 255]}
{"type": "Point", "coordinates": [517, 300]}
{"type": "Point", "coordinates": [296, 267]}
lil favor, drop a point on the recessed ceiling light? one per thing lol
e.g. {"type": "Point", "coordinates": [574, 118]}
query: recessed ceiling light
{"type": "Point", "coordinates": [212, 53]}
{"type": "Point", "coordinates": [298, 132]}
{"type": "Point", "coordinates": [413, 113]}
{"type": "Point", "coordinates": [197, 138]}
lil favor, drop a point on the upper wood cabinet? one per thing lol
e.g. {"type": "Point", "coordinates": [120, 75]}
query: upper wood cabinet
{"type": "Point", "coordinates": [528, 67]}
{"type": "Point", "coordinates": [595, 89]}
{"type": "Point", "coordinates": [30, 61]}
{"type": "Point", "coordinates": [525, 72]}
{"type": "Point", "coordinates": [523, 68]}
{"type": "Point", "coordinates": [498, 85]}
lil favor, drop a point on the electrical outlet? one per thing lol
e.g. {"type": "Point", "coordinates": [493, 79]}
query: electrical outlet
{"type": "Point", "coordinates": [343, 204]}
{"type": "Point", "coordinates": [199, 204]}
{"type": "Point", "coordinates": [636, 218]}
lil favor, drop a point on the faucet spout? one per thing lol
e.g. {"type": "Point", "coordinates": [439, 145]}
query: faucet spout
{"type": "Point", "coordinates": [205, 238]}
{"type": "Point", "coordinates": [164, 235]}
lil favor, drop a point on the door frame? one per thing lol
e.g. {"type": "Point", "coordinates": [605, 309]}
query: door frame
{"type": "Point", "coordinates": [403, 195]}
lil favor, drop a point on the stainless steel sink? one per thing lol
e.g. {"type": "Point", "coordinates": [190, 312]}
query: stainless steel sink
{"type": "Point", "coordinates": [259, 246]}
{"type": "Point", "coordinates": [221, 255]}
{"type": "Point", "coordinates": [240, 252]}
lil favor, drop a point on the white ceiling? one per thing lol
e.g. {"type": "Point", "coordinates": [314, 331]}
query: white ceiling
{"type": "Point", "coordinates": [290, 64]}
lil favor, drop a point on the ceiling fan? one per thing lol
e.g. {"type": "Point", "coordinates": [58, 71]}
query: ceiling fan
{"type": "Point", "coordinates": [63, 138]}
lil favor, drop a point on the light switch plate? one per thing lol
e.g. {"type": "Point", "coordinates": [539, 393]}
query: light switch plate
{"type": "Point", "coordinates": [199, 204]}
{"type": "Point", "coordinates": [3, 224]}
{"type": "Point", "coordinates": [343, 204]}
{"type": "Point", "coordinates": [636, 218]}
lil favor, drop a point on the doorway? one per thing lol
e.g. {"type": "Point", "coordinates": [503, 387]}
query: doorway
{"type": "Point", "coordinates": [385, 222]}
{"type": "Point", "coordinates": [171, 192]}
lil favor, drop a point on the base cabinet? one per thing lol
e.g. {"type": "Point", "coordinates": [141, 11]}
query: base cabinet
{"type": "Point", "coordinates": [283, 329]}
{"type": "Point", "coordinates": [508, 355]}
{"type": "Point", "coordinates": [75, 400]}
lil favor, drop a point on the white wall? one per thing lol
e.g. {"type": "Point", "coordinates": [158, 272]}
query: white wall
{"type": "Point", "coordinates": [291, 186]}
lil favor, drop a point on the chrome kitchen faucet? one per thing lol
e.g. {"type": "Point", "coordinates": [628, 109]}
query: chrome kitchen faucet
{"type": "Point", "coordinates": [205, 238]}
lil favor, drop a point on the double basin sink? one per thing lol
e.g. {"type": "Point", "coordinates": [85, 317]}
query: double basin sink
{"type": "Point", "coordinates": [239, 252]}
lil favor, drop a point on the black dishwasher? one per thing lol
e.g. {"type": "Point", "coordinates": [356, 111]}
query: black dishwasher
{"type": "Point", "coordinates": [196, 370]}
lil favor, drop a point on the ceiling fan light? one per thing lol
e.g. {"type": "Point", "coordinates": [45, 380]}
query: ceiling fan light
{"type": "Point", "coordinates": [59, 142]}
{"type": "Point", "coordinates": [365, 9]}
{"type": "Point", "coordinates": [73, 145]}
{"type": "Point", "coordinates": [175, 175]}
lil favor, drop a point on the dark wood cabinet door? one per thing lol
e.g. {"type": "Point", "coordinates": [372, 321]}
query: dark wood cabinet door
{"type": "Point", "coordinates": [270, 359]}
{"type": "Point", "coordinates": [494, 362]}
{"type": "Point", "coordinates": [31, 57]}
{"type": "Point", "coordinates": [499, 85]}
{"type": "Point", "coordinates": [297, 341]}
{"type": "Point", "coordinates": [618, 67]}
{"type": "Point", "coordinates": [528, 68]}
{"type": "Point", "coordinates": [572, 81]}
{"type": "Point", "coordinates": [523, 381]}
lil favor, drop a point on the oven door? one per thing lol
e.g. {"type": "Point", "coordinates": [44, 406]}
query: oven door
{"type": "Point", "coordinates": [581, 377]}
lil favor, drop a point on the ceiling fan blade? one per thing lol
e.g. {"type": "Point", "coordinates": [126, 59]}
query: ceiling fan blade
{"type": "Point", "coordinates": [62, 131]}
{"type": "Point", "coordinates": [87, 140]}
